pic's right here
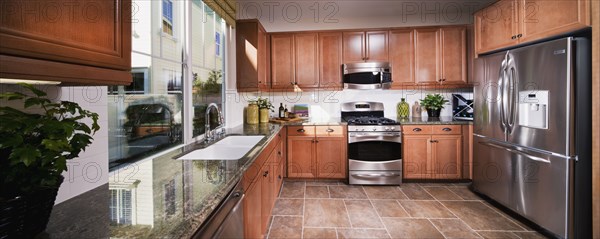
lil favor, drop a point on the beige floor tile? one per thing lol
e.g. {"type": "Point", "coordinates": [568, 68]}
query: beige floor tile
{"type": "Point", "coordinates": [345, 191]}
{"type": "Point", "coordinates": [320, 233]}
{"type": "Point", "coordinates": [464, 193]}
{"type": "Point", "coordinates": [530, 235]}
{"type": "Point", "coordinates": [317, 192]}
{"type": "Point", "coordinates": [480, 217]}
{"type": "Point", "coordinates": [410, 228]}
{"type": "Point", "coordinates": [497, 234]}
{"type": "Point", "coordinates": [415, 192]}
{"type": "Point", "coordinates": [286, 227]}
{"type": "Point", "coordinates": [293, 189]}
{"type": "Point", "coordinates": [362, 233]}
{"type": "Point", "coordinates": [384, 192]}
{"type": "Point", "coordinates": [284, 206]}
{"type": "Point", "coordinates": [323, 182]}
{"type": "Point", "coordinates": [454, 228]}
{"type": "Point", "coordinates": [442, 193]}
{"type": "Point", "coordinates": [426, 209]}
{"type": "Point", "coordinates": [362, 214]}
{"type": "Point", "coordinates": [325, 213]}
{"type": "Point", "coordinates": [389, 208]}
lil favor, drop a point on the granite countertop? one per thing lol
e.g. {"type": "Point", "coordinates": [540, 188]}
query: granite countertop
{"type": "Point", "coordinates": [318, 121]}
{"type": "Point", "coordinates": [432, 121]}
{"type": "Point", "coordinates": [156, 198]}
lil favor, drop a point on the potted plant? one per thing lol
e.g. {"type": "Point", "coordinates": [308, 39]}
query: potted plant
{"type": "Point", "coordinates": [264, 106]}
{"type": "Point", "coordinates": [433, 104]}
{"type": "Point", "coordinates": [34, 149]}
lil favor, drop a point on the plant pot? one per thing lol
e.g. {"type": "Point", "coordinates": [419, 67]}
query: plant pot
{"type": "Point", "coordinates": [264, 115]}
{"type": "Point", "coordinates": [27, 215]}
{"type": "Point", "coordinates": [433, 113]}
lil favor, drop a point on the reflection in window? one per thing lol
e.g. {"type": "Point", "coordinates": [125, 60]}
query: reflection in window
{"type": "Point", "coordinates": [120, 206]}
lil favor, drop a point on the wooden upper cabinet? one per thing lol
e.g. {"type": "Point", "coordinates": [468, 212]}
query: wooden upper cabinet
{"type": "Point", "coordinates": [495, 26]}
{"type": "Point", "coordinates": [543, 18]}
{"type": "Point", "coordinates": [282, 61]}
{"type": "Point", "coordinates": [369, 46]}
{"type": "Point", "coordinates": [330, 60]}
{"type": "Point", "coordinates": [454, 55]}
{"type": "Point", "coordinates": [91, 46]}
{"type": "Point", "coordinates": [251, 56]}
{"type": "Point", "coordinates": [427, 55]}
{"type": "Point", "coordinates": [402, 57]}
{"type": "Point", "coordinates": [306, 60]}
{"type": "Point", "coordinates": [510, 22]}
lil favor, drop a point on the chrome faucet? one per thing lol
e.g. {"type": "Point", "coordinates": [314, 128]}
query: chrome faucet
{"type": "Point", "coordinates": [209, 134]}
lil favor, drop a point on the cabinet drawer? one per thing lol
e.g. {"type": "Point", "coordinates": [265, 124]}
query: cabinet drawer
{"type": "Point", "coordinates": [416, 129]}
{"type": "Point", "coordinates": [446, 129]}
{"type": "Point", "coordinates": [301, 130]}
{"type": "Point", "coordinates": [330, 130]}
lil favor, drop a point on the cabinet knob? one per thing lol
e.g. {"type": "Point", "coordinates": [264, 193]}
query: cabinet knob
{"type": "Point", "coordinates": [279, 177]}
{"type": "Point", "coordinates": [447, 129]}
{"type": "Point", "coordinates": [417, 129]}
{"type": "Point", "coordinates": [513, 37]}
{"type": "Point", "coordinates": [279, 153]}
{"type": "Point", "coordinates": [519, 35]}
{"type": "Point", "coordinates": [329, 130]}
{"type": "Point", "coordinates": [300, 130]}
{"type": "Point", "coordinates": [266, 173]}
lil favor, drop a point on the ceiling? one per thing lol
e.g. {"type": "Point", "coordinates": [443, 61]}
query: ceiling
{"type": "Point", "coordinates": [347, 14]}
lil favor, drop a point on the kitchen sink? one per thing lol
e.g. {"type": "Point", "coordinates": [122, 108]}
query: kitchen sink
{"type": "Point", "coordinates": [229, 148]}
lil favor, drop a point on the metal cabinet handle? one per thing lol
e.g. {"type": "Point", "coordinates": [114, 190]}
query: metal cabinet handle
{"type": "Point", "coordinates": [329, 130]}
{"type": "Point", "coordinates": [417, 129]}
{"type": "Point", "coordinates": [279, 177]}
{"type": "Point", "coordinates": [433, 141]}
{"type": "Point", "coordinates": [279, 152]}
{"type": "Point", "coordinates": [300, 130]}
{"type": "Point", "coordinates": [447, 129]}
{"type": "Point", "coordinates": [266, 173]}
{"type": "Point", "coordinates": [519, 35]}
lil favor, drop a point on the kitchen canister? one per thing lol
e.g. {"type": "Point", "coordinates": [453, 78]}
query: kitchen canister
{"type": "Point", "coordinates": [252, 113]}
{"type": "Point", "coordinates": [416, 110]}
{"type": "Point", "coordinates": [403, 109]}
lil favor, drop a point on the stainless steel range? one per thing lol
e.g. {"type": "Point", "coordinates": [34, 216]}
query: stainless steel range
{"type": "Point", "coordinates": [374, 145]}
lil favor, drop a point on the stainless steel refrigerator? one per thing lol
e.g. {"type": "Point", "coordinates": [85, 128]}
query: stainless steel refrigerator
{"type": "Point", "coordinates": [532, 139]}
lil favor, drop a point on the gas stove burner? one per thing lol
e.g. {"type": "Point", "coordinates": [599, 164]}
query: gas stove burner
{"type": "Point", "coordinates": [366, 120]}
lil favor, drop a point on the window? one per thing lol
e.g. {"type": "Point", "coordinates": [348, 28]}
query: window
{"type": "Point", "coordinates": [120, 206]}
{"type": "Point", "coordinates": [167, 14]}
{"type": "Point", "coordinates": [138, 85]}
{"type": "Point", "coordinates": [218, 43]}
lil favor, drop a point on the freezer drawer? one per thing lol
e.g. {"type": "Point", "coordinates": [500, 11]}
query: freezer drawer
{"type": "Point", "coordinates": [492, 171]}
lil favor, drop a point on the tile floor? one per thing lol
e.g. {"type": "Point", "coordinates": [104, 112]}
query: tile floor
{"type": "Point", "coordinates": [329, 209]}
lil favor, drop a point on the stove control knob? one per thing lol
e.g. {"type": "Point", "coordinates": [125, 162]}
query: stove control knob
{"type": "Point", "coordinates": [374, 129]}
{"type": "Point", "coordinates": [362, 129]}
{"type": "Point", "coordinates": [387, 129]}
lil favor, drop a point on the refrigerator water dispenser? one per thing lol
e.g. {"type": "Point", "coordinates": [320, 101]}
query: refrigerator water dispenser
{"type": "Point", "coordinates": [533, 109]}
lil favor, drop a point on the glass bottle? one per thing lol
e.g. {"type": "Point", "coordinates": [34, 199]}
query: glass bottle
{"type": "Point", "coordinates": [416, 110]}
{"type": "Point", "coordinates": [252, 113]}
{"type": "Point", "coordinates": [403, 109]}
{"type": "Point", "coordinates": [281, 111]}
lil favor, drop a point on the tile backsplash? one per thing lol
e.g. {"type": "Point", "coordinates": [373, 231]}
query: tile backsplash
{"type": "Point", "coordinates": [326, 104]}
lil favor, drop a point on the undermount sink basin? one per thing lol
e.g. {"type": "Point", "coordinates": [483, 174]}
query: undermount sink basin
{"type": "Point", "coordinates": [228, 148]}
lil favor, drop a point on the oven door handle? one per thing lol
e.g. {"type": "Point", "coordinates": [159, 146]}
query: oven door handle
{"type": "Point", "coordinates": [388, 137]}
{"type": "Point", "coordinates": [370, 175]}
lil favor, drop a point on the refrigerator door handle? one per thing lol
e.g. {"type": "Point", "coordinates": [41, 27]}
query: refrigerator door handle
{"type": "Point", "coordinates": [512, 89]}
{"type": "Point", "coordinates": [515, 150]}
{"type": "Point", "coordinates": [501, 93]}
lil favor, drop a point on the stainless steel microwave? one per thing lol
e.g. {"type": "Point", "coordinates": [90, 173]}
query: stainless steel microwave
{"type": "Point", "coordinates": [367, 75]}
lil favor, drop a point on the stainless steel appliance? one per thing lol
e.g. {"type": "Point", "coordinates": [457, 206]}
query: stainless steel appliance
{"type": "Point", "coordinates": [374, 145]}
{"type": "Point", "coordinates": [228, 219]}
{"type": "Point", "coordinates": [532, 145]}
{"type": "Point", "coordinates": [367, 75]}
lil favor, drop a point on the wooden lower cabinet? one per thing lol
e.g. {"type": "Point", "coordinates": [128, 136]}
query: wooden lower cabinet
{"type": "Point", "coordinates": [432, 152]}
{"type": "Point", "coordinates": [317, 152]}
{"type": "Point", "coordinates": [253, 214]}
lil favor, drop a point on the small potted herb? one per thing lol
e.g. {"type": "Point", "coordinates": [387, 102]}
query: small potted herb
{"type": "Point", "coordinates": [264, 106]}
{"type": "Point", "coordinates": [433, 104]}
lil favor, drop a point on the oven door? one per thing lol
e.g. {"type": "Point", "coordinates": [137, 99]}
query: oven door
{"type": "Point", "coordinates": [374, 151]}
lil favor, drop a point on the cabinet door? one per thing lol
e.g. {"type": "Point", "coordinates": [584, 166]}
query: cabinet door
{"type": "Point", "coordinates": [427, 55]}
{"type": "Point", "coordinates": [251, 56]}
{"type": "Point", "coordinates": [301, 153]}
{"type": "Point", "coordinates": [353, 47]}
{"type": "Point", "coordinates": [282, 61]}
{"type": "Point", "coordinates": [542, 18]}
{"type": "Point", "coordinates": [495, 26]}
{"type": "Point", "coordinates": [330, 61]}
{"type": "Point", "coordinates": [454, 55]}
{"type": "Point", "coordinates": [263, 60]}
{"type": "Point", "coordinates": [253, 211]}
{"type": "Point", "coordinates": [376, 46]}
{"type": "Point", "coordinates": [267, 198]}
{"type": "Point", "coordinates": [306, 61]}
{"type": "Point", "coordinates": [402, 57]}
{"type": "Point", "coordinates": [331, 157]}
{"type": "Point", "coordinates": [417, 156]}
{"type": "Point", "coordinates": [446, 155]}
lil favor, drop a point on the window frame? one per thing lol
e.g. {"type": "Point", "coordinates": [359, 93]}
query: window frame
{"type": "Point", "coordinates": [167, 17]}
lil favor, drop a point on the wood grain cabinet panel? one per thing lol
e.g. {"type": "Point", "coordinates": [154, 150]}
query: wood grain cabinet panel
{"type": "Point", "coordinates": [301, 155]}
{"type": "Point", "coordinates": [331, 157]}
{"type": "Point", "coordinates": [402, 57]}
{"type": "Point", "coordinates": [317, 152]}
{"type": "Point", "coordinates": [367, 46]}
{"type": "Point", "coordinates": [354, 47]}
{"type": "Point", "coordinates": [542, 18]}
{"type": "Point", "coordinates": [282, 61]}
{"type": "Point", "coordinates": [46, 41]}
{"type": "Point", "coordinates": [306, 60]}
{"type": "Point", "coordinates": [376, 46]}
{"type": "Point", "coordinates": [427, 55]}
{"type": "Point", "coordinates": [454, 55]}
{"type": "Point", "coordinates": [251, 56]}
{"type": "Point", "coordinates": [417, 156]}
{"type": "Point", "coordinates": [446, 156]}
{"type": "Point", "coordinates": [330, 60]}
{"type": "Point", "coordinates": [253, 212]}
{"type": "Point", "coordinates": [495, 26]}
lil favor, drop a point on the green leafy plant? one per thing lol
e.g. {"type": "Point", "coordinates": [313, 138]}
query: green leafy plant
{"type": "Point", "coordinates": [35, 147]}
{"type": "Point", "coordinates": [433, 102]}
{"type": "Point", "coordinates": [265, 103]}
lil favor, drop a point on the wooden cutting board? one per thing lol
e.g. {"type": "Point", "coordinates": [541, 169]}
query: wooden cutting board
{"type": "Point", "coordinates": [284, 120]}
